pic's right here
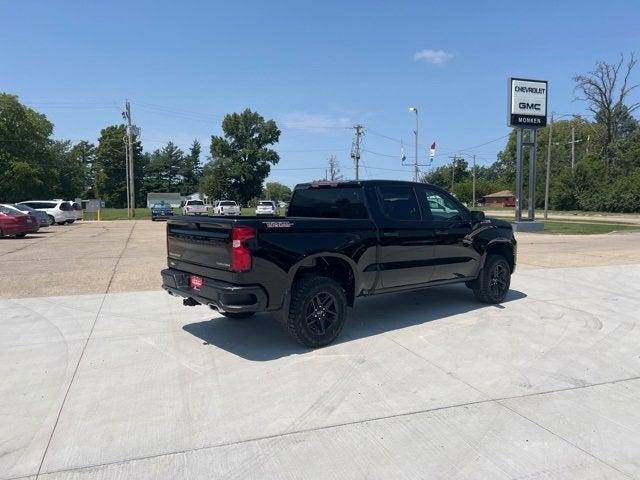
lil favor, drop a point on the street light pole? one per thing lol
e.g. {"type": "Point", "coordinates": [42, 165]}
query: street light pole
{"type": "Point", "coordinates": [416, 172]}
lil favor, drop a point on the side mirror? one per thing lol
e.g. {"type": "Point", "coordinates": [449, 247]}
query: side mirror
{"type": "Point", "coordinates": [477, 216]}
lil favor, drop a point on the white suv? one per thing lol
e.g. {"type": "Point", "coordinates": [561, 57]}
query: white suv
{"type": "Point", "coordinates": [266, 207]}
{"type": "Point", "coordinates": [226, 207]}
{"type": "Point", "coordinates": [59, 211]}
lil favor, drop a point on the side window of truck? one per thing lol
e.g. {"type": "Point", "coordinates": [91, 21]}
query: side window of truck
{"type": "Point", "coordinates": [442, 208]}
{"type": "Point", "coordinates": [399, 203]}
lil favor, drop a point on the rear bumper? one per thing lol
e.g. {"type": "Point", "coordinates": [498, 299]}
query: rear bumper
{"type": "Point", "coordinates": [222, 296]}
{"type": "Point", "coordinates": [161, 214]}
{"type": "Point", "coordinates": [19, 229]}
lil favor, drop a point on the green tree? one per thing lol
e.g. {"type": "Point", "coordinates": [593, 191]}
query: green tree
{"type": "Point", "coordinates": [446, 175]}
{"type": "Point", "coordinates": [277, 192]}
{"type": "Point", "coordinates": [84, 153]}
{"type": "Point", "coordinates": [190, 169]}
{"type": "Point", "coordinates": [162, 170]}
{"type": "Point", "coordinates": [216, 181]}
{"type": "Point", "coordinates": [110, 155]}
{"type": "Point", "coordinates": [243, 154]}
{"type": "Point", "coordinates": [606, 91]}
{"type": "Point", "coordinates": [26, 167]}
{"type": "Point", "coordinates": [71, 181]}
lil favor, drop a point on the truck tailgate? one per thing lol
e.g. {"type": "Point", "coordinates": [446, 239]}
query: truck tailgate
{"type": "Point", "coordinates": [205, 243]}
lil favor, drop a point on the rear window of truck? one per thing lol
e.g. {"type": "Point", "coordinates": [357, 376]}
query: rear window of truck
{"type": "Point", "coordinates": [332, 202]}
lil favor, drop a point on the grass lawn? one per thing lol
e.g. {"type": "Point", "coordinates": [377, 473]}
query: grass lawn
{"type": "Point", "coordinates": [567, 227]}
{"type": "Point", "coordinates": [143, 213]}
{"type": "Point", "coordinates": [121, 214]}
{"type": "Point", "coordinates": [585, 228]}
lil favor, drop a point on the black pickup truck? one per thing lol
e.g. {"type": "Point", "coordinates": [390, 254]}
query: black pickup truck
{"type": "Point", "coordinates": [339, 241]}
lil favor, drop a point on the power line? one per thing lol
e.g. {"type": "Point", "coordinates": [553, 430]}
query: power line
{"type": "Point", "coordinates": [397, 140]}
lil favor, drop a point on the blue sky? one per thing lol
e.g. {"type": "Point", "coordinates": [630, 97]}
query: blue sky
{"type": "Point", "coordinates": [316, 67]}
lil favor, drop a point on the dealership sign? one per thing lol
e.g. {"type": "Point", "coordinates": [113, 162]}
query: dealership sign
{"type": "Point", "coordinates": [527, 103]}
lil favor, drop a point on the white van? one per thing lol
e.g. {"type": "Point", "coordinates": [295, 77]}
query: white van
{"type": "Point", "coordinates": [59, 211]}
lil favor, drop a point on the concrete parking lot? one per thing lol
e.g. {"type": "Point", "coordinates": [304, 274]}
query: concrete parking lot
{"type": "Point", "coordinates": [105, 376]}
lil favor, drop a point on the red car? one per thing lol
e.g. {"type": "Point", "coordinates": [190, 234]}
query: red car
{"type": "Point", "coordinates": [13, 222]}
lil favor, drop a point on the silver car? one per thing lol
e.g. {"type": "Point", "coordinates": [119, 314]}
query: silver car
{"type": "Point", "coordinates": [41, 217]}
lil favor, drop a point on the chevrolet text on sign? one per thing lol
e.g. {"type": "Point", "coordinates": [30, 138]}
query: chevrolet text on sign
{"type": "Point", "coordinates": [527, 103]}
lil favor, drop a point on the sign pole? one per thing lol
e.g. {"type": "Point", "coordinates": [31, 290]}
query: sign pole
{"type": "Point", "coordinates": [519, 134]}
{"type": "Point", "coordinates": [527, 112]}
{"type": "Point", "coordinates": [532, 174]}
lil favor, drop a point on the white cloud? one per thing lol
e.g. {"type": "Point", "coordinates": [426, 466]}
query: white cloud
{"type": "Point", "coordinates": [437, 57]}
{"type": "Point", "coordinates": [313, 122]}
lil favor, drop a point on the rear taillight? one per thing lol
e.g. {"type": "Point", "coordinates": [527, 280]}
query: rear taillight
{"type": "Point", "coordinates": [240, 253]}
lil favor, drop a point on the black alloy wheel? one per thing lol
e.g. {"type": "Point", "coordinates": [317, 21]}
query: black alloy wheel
{"type": "Point", "coordinates": [492, 285]}
{"type": "Point", "coordinates": [321, 313]}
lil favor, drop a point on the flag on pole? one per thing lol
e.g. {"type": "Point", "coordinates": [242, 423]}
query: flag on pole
{"type": "Point", "coordinates": [432, 150]}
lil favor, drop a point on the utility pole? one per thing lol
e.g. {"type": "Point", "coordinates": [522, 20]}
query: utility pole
{"type": "Point", "coordinates": [132, 131]}
{"type": "Point", "coordinates": [355, 149]}
{"type": "Point", "coordinates": [548, 173]}
{"type": "Point", "coordinates": [474, 180]}
{"type": "Point", "coordinates": [573, 147]}
{"type": "Point", "coordinates": [125, 139]}
{"type": "Point", "coordinates": [416, 172]}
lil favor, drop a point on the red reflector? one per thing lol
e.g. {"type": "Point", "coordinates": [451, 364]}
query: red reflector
{"type": "Point", "coordinates": [240, 253]}
{"type": "Point", "coordinates": [195, 282]}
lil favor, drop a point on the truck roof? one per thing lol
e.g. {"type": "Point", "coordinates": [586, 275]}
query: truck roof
{"type": "Point", "coordinates": [353, 183]}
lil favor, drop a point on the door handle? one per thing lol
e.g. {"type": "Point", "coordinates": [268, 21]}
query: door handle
{"type": "Point", "coordinates": [442, 231]}
{"type": "Point", "coordinates": [391, 234]}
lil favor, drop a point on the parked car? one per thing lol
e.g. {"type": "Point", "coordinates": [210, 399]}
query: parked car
{"type": "Point", "coordinates": [58, 211]}
{"type": "Point", "coordinates": [161, 210]}
{"type": "Point", "coordinates": [266, 207]}
{"type": "Point", "coordinates": [41, 217]}
{"type": "Point", "coordinates": [339, 241]}
{"type": "Point", "coordinates": [15, 223]}
{"type": "Point", "coordinates": [75, 212]}
{"type": "Point", "coordinates": [226, 207]}
{"type": "Point", "coordinates": [194, 207]}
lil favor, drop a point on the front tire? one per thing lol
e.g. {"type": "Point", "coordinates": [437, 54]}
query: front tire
{"type": "Point", "coordinates": [317, 311]}
{"type": "Point", "coordinates": [494, 280]}
{"type": "Point", "coordinates": [237, 315]}
{"type": "Point", "coordinates": [52, 221]}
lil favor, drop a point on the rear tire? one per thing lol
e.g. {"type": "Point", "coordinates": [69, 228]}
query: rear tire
{"type": "Point", "coordinates": [21, 235]}
{"type": "Point", "coordinates": [237, 315]}
{"type": "Point", "coordinates": [317, 312]}
{"type": "Point", "coordinates": [492, 285]}
{"type": "Point", "coordinates": [70, 221]}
